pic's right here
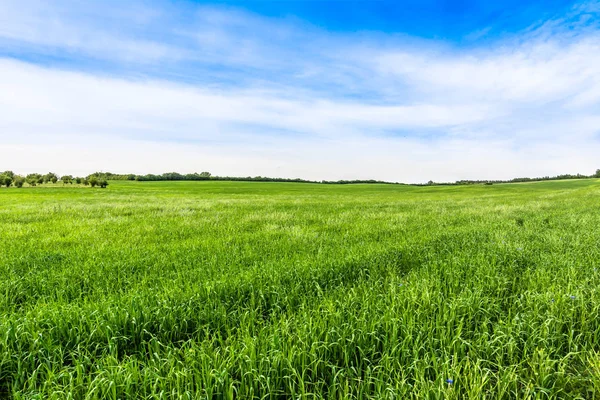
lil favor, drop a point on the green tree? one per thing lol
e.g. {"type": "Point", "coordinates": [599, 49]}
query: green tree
{"type": "Point", "coordinates": [67, 179]}
{"type": "Point", "coordinates": [50, 177]}
{"type": "Point", "coordinates": [597, 174]}
{"type": "Point", "coordinates": [19, 181]}
{"type": "Point", "coordinates": [93, 180]}
{"type": "Point", "coordinates": [103, 183]}
{"type": "Point", "coordinates": [34, 179]}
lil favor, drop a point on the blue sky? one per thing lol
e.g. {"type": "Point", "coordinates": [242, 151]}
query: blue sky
{"type": "Point", "coordinates": [449, 20]}
{"type": "Point", "coordinates": [401, 91]}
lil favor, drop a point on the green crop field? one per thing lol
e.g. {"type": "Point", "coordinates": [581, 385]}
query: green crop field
{"type": "Point", "coordinates": [282, 290]}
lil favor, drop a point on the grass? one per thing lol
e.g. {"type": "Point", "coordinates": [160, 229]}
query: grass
{"type": "Point", "coordinates": [278, 290]}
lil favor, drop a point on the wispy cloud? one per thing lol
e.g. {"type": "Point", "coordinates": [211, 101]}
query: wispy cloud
{"type": "Point", "coordinates": [195, 87]}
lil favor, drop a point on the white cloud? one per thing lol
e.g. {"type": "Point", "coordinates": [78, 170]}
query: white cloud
{"type": "Point", "coordinates": [71, 27]}
{"type": "Point", "coordinates": [63, 98]}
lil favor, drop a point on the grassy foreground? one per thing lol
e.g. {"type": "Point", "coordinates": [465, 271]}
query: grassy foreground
{"type": "Point", "coordinates": [279, 290]}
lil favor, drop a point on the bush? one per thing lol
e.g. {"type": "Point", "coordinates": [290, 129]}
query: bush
{"type": "Point", "coordinates": [50, 177]}
{"type": "Point", "coordinates": [5, 180]}
{"type": "Point", "coordinates": [19, 181]}
{"type": "Point", "coordinates": [34, 179]}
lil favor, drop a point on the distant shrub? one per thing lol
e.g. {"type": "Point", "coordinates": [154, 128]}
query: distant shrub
{"type": "Point", "coordinates": [5, 180]}
{"type": "Point", "coordinates": [34, 179]}
{"type": "Point", "coordinates": [50, 177]}
{"type": "Point", "coordinates": [19, 181]}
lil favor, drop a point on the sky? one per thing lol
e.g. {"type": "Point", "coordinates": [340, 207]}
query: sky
{"type": "Point", "coordinates": [406, 91]}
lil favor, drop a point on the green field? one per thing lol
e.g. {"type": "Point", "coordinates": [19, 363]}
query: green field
{"type": "Point", "coordinates": [282, 290]}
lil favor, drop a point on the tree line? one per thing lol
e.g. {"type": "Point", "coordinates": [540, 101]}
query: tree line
{"type": "Point", "coordinates": [207, 176]}
{"type": "Point", "coordinates": [100, 179]}
{"type": "Point", "coordinates": [9, 178]}
{"type": "Point", "coordinates": [518, 180]}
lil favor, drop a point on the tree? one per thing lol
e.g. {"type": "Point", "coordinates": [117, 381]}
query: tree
{"type": "Point", "coordinates": [93, 180]}
{"type": "Point", "coordinates": [50, 177]}
{"type": "Point", "coordinates": [67, 179]}
{"type": "Point", "coordinates": [78, 180]}
{"type": "Point", "coordinates": [5, 180]}
{"type": "Point", "coordinates": [33, 179]}
{"type": "Point", "coordinates": [19, 181]}
{"type": "Point", "coordinates": [103, 183]}
{"type": "Point", "coordinates": [597, 174]}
